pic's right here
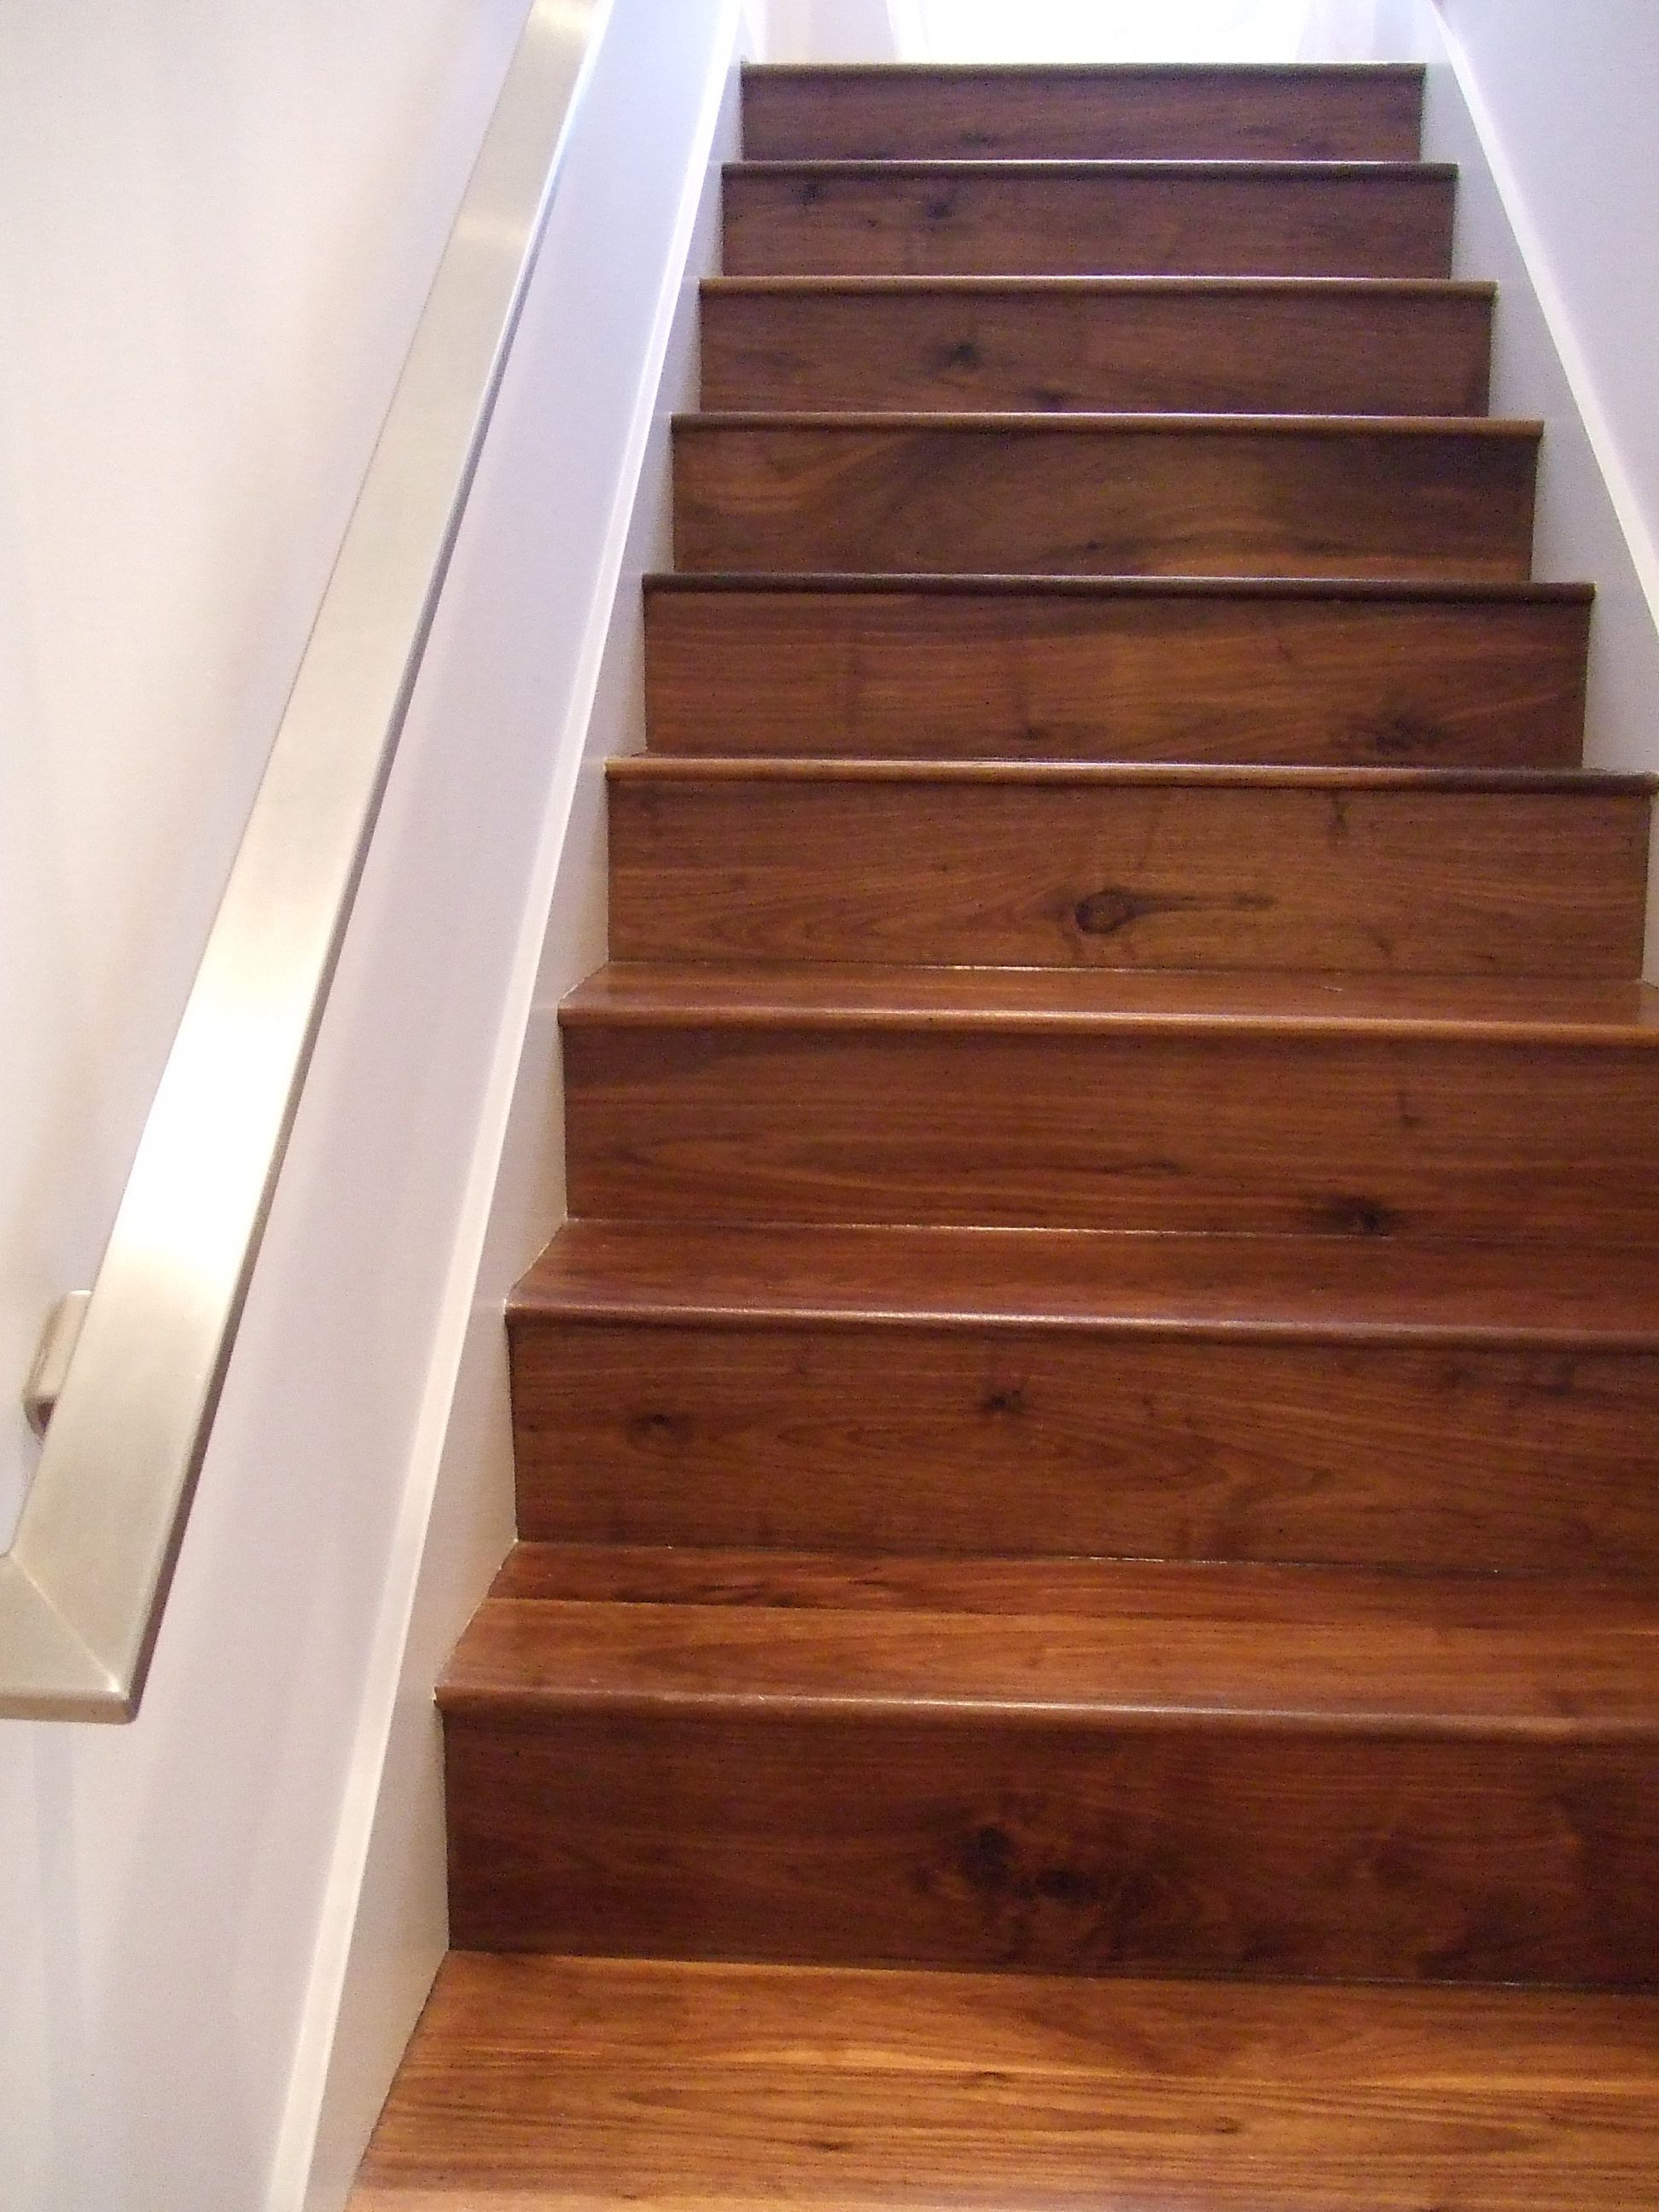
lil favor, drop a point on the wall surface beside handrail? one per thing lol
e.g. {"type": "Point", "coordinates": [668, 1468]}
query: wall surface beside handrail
{"type": "Point", "coordinates": [179, 1894]}
{"type": "Point", "coordinates": [217, 227]}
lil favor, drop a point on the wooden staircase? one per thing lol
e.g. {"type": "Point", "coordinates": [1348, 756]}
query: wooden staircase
{"type": "Point", "coordinates": [1084, 1630]}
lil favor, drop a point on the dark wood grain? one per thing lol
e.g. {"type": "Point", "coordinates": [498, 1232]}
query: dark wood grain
{"type": "Point", "coordinates": [1455, 1407]}
{"type": "Point", "coordinates": [1168, 112]}
{"type": "Point", "coordinates": [1266, 1599]}
{"type": "Point", "coordinates": [1494, 1009]}
{"type": "Point", "coordinates": [1287, 496]}
{"type": "Point", "coordinates": [1029, 866]}
{"type": "Point", "coordinates": [1308, 346]}
{"type": "Point", "coordinates": [1264, 1290]}
{"type": "Point", "coordinates": [1051, 669]}
{"type": "Point", "coordinates": [1124, 1644]}
{"type": "Point", "coordinates": [1184, 1122]}
{"type": "Point", "coordinates": [563, 2082]}
{"type": "Point", "coordinates": [1123, 1444]}
{"type": "Point", "coordinates": [1170, 1782]}
{"type": "Point", "coordinates": [1106, 219]}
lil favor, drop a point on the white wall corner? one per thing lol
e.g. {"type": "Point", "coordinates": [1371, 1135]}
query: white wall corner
{"type": "Point", "coordinates": [828, 30]}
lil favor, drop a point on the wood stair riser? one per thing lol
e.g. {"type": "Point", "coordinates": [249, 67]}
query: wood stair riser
{"type": "Point", "coordinates": [1454, 1458]}
{"type": "Point", "coordinates": [1350, 114]}
{"type": "Point", "coordinates": [1212, 1129]}
{"type": "Point", "coordinates": [1123, 497]}
{"type": "Point", "coordinates": [1070, 675]}
{"type": "Point", "coordinates": [1183, 1846]}
{"type": "Point", "coordinates": [987, 1441]}
{"type": "Point", "coordinates": [1198, 348]}
{"type": "Point", "coordinates": [964, 870]}
{"type": "Point", "coordinates": [829, 220]}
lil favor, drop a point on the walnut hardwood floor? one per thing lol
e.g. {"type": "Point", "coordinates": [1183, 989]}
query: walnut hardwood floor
{"type": "Point", "coordinates": [565, 2085]}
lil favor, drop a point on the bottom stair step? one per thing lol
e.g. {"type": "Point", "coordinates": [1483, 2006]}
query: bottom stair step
{"type": "Point", "coordinates": [559, 2083]}
{"type": "Point", "coordinates": [1077, 1766]}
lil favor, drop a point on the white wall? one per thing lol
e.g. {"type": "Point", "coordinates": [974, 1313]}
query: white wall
{"type": "Point", "coordinates": [217, 223]}
{"type": "Point", "coordinates": [179, 1895]}
{"type": "Point", "coordinates": [1100, 30]}
{"type": "Point", "coordinates": [824, 30]}
{"type": "Point", "coordinates": [218, 219]}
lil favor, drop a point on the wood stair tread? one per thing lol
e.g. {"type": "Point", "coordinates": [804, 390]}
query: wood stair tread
{"type": "Point", "coordinates": [1101, 1644]}
{"type": "Point", "coordinates": [1126, 1597]}
{"type": "Point", "coordinates": [1495, 591]}
{"type": "Point", "coordinates": [829, 996]}
{"type": "Point", "coordinates": [1309, 1289]}
{"type": "Point", "coordinates": [1288, 169]}
{"type": "Point", "coordinates": [987, 423]}
{"type": "Point", "coordinates": [1184, 287]}
{"type": "Point", "coordinates": [565, 2081]}
{"type": "Point", "coordinates": [714, 767]}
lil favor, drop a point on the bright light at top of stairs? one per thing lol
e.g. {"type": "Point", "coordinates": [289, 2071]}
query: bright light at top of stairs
{"type": "Point", "coordinates": [1102, 30]}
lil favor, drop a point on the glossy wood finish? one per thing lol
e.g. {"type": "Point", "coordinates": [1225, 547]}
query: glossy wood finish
{"type": "Point", "coordinates": [1087, 219]}
{"type": "Point", "coordinates": [1493, 1009]}
{"type": "Point", "coordinates": [1359, 1398]}
{"type": "Point", "coordinates": [1107, 1101]}
{"type": "Point", "coordinates": [570, 2083]}
{"type": "Point", "coordinates": [1266, 1289]}
{"type": "Point", "coordinates": [1125, 1643]}
{"type": "Point", "coordinates": [1168, 1447]}
{"type": "Point", "coordinates": [1022, 864]}
{"type": "Point", "coordinates": [1056, 669]}
{"type": "Point", "coordinates": [1140, 1434]}
{"type": "Point", "coordinates": [1227, 1132]}
{"type": "Point", "coordinates": [1171, 113]}
{"type": "Point", "coordinates": [1192, 1769]}
{"type": "Point", "coordinates": [1114, 494]}
{"type": "Point", "coordinates": [1265, 1596]}
{"type": "Point", "coordinates": [1307, 346]}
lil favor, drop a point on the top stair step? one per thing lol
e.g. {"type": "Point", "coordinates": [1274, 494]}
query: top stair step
{"type": "Point", "coordinates": [1365, 112]}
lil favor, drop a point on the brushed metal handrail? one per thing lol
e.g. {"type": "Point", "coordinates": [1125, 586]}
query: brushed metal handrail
{"type": "Point", "coordinates": [83, 1586]}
